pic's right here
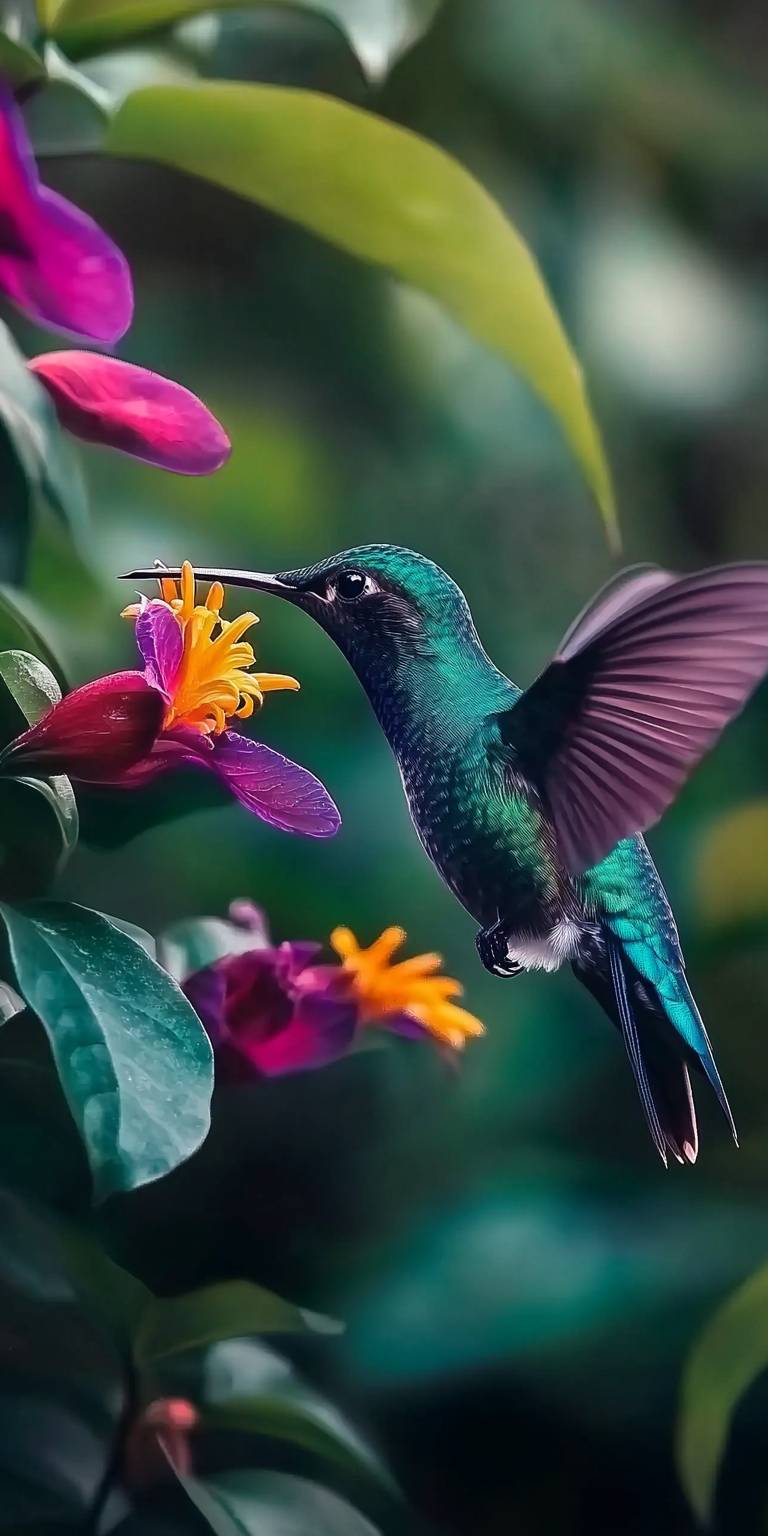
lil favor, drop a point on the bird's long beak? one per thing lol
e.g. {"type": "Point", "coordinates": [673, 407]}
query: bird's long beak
{"type": "Point", "coordinates": [257, 579]}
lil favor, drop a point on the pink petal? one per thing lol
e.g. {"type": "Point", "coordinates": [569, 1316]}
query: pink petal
{"type": "Point", "coordinates": [318, 1033]}
{"type": "Point", "coordinates": [161, 643]}
{"type": "Point", "coordinates": [279, 791]}
{"type": "Point", "coordinates": [56, 264]}
{"type": "Point", "coordinates": [96, 733]}
{"type": "Point", "coordinates": [105, 400]}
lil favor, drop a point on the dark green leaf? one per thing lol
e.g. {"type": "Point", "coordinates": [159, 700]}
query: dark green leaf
{"type": "Point", "coordinates": [19, 64]}
{"type": "Point", "coordinates": [110, 819]}
{"type": "Point", "coordinates": [33, 843]}
{"type": "Point", "coordinates": [397, 201]}
{"type": "Point", "coordinates": [224, 1311]}
{"type": "Point", "coordinates": [273, 1504]}
{"type": "Point", "coordinates": [20, 628]}
{"type": "Point", "coordinates": [730, 1354]}
{"type": "Point", "coordinates": [247, 1386]}
{"type": "Point", "coordinates": [62, 1391]}
{"type": "Point", "coordinates": [42, 451]}
{"type": "Point", "coordinates": [134, 1061]}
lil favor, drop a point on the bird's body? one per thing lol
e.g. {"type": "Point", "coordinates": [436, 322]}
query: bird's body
{"type": "Point", "coordinates": [531, 804]}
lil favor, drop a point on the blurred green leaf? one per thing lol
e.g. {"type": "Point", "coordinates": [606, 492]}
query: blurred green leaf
{"type": "Point", "coordinates": [383, 194]}
{"type": "Point", "coordinates": [232, 1308]}
{"type": "Point", "coordinates": [33, 846]}
{"type": "Point", "coordinates": [19, 64]}
{"type": "Point", "coordinates": [41, 448]}
{"type": "Point", "coordinates": [19, 629]}
{"type": "Point", "coordinates": [730, 875]}
{"type": "Point", "coordinates": [247, 1386]}
{"type": "Point", "coordinates": [62, 1391]}
{"type": "Point", "coordinates": [379, 32]}
{"type": "Point", "coordinates": [729, 1355]}
{"type": "Point", "coordinates": [273, 1504]}
{"type": "Point", "coordinates": [134, 1061]}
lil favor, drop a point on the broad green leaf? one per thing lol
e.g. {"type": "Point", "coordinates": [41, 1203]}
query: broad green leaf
{"type": "Point", "coordinates": [232, 1308]}
{"type": "Point", "coordinates": [388, 196]}
{"type": "Point", "coordinates": [40, 447]}
{"type": "Point", "coordinates": [378, 30]}
{"type": "Point", "coordinates": [252, 1503]}
{"type": "Point", "coordinates": [187, 946]}
{"type": "Point", "coordinates": [247, 1386]}
{"type": "Point", "coordinates": [33, 847]}
{"type": "Point", "coordinates": [134, 1061]}
{"type": "Point", "coordinates": [730, 1354]}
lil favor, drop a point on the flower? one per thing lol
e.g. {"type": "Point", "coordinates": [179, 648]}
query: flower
{"type": "Point", "coordinates": [105, 400]}
{"type": "Point", "coordinates": [279, 1009]}
{"type": "Point", "coordinates": [56, 264]}
{"type": "Point", "coordinates": [158, 1439]}
{"type": "Point", "coordinates": [127, 728]}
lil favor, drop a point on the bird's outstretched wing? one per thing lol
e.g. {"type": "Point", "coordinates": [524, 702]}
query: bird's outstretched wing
{"type": "Point", "coordinates": [642, 685]}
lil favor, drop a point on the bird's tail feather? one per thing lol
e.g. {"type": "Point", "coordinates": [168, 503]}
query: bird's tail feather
{"type": "Point", "coordinates": [660, 1072]}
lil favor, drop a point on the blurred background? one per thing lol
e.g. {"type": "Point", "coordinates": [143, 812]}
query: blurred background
{"type": "Point", "coordinates": [520, 1279]}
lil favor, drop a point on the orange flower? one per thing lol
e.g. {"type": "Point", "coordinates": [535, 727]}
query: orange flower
{"type": "Point", "coordinates": [410, 986]}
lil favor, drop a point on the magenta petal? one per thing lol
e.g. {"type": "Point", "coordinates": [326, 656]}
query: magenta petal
{"type": "Point", "coordinates": [105, 400]}
{"type": "Point", "coordinates": [56, 264]}
{"type": "Point", "coordinates": [320, 1032]}
{"type": "Point", "coordinates": [161, 643]}
{"type": "Point", "coordinates": [97, 733]}
{"type": "Point", "coordinates": [279, 791]}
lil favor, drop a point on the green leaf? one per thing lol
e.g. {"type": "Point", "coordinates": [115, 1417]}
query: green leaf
{"type": "Point", "coordinates": [62, 1393]}
{"type": "Point", "coordinates": [730, 1354]}
{"type": "Point", "coordinates": [247, 1386]}
{"type": "Point", "coordinates": [173, 1325]}
{"type": "Point", "coordinates": [42, 452]}
{"type": "Point", "coordinates": [251, 1503]}
{"type": "Point", "coordinates": [20, 629]}
{"type": "Point", "coordinates": [134, 1061]}
{"type": "Point", "coordinates": [379, 31]}
{"type": "Point", "coordinates": [19, 64]}
{"type": "Point", "coordinates": [388, 196]}
{"type": "Point", "coordinates": [33, 846]}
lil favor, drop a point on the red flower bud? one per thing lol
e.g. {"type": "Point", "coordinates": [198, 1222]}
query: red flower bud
{"type": "Point", "coordinates": [96, 733]}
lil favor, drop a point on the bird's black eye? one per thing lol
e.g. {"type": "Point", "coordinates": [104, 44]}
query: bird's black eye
{"type": "Point", "coordinates": [351, 584]}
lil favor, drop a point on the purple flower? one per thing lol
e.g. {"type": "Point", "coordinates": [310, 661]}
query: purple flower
{"type": "Point", "coordinates": [127, 728]}
{"type": "Point", "coordinates": [105, 400]}
{"type": "Point", "coordinates": [277, 1009]}
{"type": "Point", "coordinates": [56, 264]}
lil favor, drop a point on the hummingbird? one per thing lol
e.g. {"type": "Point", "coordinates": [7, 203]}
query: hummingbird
{"type": "Point", "coordinates": [531, 803]}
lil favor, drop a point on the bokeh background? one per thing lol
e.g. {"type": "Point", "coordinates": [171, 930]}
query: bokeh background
{"type": "Point", "coordinates": [520, 1279]}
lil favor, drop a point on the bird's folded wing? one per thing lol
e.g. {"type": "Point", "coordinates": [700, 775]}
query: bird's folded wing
{"type": "Point", "coordinates": [643, 684]}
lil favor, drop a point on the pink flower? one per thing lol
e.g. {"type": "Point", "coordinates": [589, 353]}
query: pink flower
{"type": "Point", "coordinates": [105, 400]}
{"type": "Point", "coordinates": [127, 728]}
{"type": "Point", "coordinates": [276, 1009]}
{"type": "Point", "coordinates": [56, 264]}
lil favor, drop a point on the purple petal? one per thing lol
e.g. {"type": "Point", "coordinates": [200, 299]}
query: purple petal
{"type": "Point", "coordinates": [319, 1032]}
{"type": "Point", "coordinates": [161, 643]}
{"type": "Point", "coordinates": [206, 990]}
{"type": "Point", "coordinates": [56, 264]}
{"type": "Point", "coordinates": [279, 791]}
{"type": "Point", "coordinates": [105, 400]}
{"type": "Point", "coordinates": [403, 1024]}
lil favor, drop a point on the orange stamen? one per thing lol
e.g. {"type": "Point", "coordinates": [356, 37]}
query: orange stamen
{"type": "Point", "coordinates": [409, 986]}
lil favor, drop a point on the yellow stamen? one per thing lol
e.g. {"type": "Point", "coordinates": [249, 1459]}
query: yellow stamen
{"type": "Point", "coordinates": [214, 681]}
{"type": "Point", "coordinates": [410, 986]}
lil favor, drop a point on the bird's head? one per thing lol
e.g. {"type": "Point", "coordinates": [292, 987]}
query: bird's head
{"type": "Point", "coordinates": [387, 608]}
